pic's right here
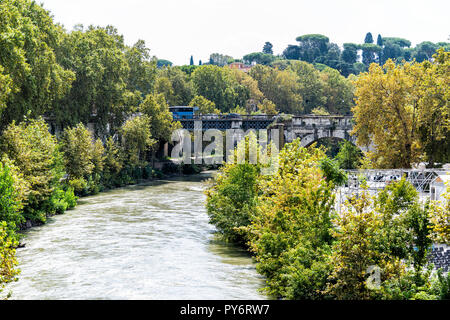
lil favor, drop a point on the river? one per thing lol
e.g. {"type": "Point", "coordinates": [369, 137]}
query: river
{"type": "Point", "coordinates": [150, 241]}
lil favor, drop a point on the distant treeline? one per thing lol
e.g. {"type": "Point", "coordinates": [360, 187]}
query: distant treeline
{"type": "Point", "coordinates": [89, 75]}
{"type": "Point", "coordinates": [352, 58]}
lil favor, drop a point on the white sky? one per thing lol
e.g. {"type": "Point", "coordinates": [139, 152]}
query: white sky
{"type": "Point", "coordinates": [176, 29]}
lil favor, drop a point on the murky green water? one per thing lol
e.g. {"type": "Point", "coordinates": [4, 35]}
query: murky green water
{"type": "Point", "coordinates": [142, 242]}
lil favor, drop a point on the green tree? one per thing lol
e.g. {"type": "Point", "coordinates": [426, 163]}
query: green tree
{"type": "Point", "coordinates": [249, 89]}
{"type": "Point", "coordinates": [385, 115]}
{"type": "Point", "coordinates": [349, 156]}
{"type": "Point", "coordinates": [433, 119]}
{"type": "Point", "coordinates": [161, 119]}
{"type": "Point", "coordinates": [161, 63]}
{"type": "Point", "coordinates": [369, 53]}
{"type": "Point", "coordinates": [142, 69]}
{"type": "Point", "coordinates": [338, 92]}
{"type": "Point", "coordinates": [268, 107]}
{"type": "Point", "coordinates": [268, 48]}
{"type": "Point", "coordinates": [290, 233]}
{"type": "Point", "coordinates": [310, 86]}
{"type": "Point", "coordinates": [35, 152]}
{"type": "Point", "coordinates": [368, 38]}
{"type": "Point", "coordinates": [5, 89]}
{"type": "Point", "coordinates": [10, 197]}
{"type": "Point", "coordinates": [410, 103]}
{"type": "Point", "coordinates": [332, 173]}
{"type": "Point", "coordinates": [259, 58]}
{"type": "Point", "coordinates": [280, 87]}
{"type": "Point", "coordinates": [440, 220]}
{"type": "Point", "coordinates": [220, 86]}
{"type": "Point", "coordinates": [137, 139]}
{"type": "Point", "coordinates": [84, 159]}
{"type": "Point", "coordinates": [232, 200]}
{"type": "Point", "coordinates": [99, 94]}
{"type": "Point", "coordinates": [113, 162]}
{"type": "Point", "coordinates": [204, 105]}
{"type": "Point", "coordinates": [390, 231]}
{"type": "Point", "coordinates": [356, 250]}
{"type": "Point", "coordinates": [292, 52]}
{"type": "Point", "coordinates": [32, 76]}
{"type": "Point", "coordinates": [175, 85]}
{"type": "Point", "coordinates": [350, 53]}
{"type": "Point", "coordinates": [220, 60]}
{"type": "Point", "coordinates": [232, 195]}
{"type": "Point", "coordinates": [8, 262]}
{"type": "Point", "coordinates": [312, 46]}
{"type": "Point", "coordinates": [380, 41]}
{"type": "Point", "coordinates": [76, 145]}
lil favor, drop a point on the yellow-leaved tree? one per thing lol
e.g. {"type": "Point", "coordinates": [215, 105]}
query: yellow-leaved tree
{"type": "Point", "coordinates": [385, 115]}
{"type": "Point", "coordinates": [402, 111]}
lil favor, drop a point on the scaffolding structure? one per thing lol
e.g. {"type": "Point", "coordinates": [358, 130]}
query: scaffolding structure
{"type": "Point", "coordinates": [376, 180]}
{"type": "Point", "coordinates": [379, 179]}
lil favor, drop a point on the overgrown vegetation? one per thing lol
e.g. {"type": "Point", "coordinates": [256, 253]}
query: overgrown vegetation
{"type": "Point", "coordinates": [54, 80]}
{"type": "Point", "coordinates": [306, 250]}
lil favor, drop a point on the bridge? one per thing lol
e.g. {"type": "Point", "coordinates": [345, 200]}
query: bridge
{"type": "Point", "coordinates": [309, 128]}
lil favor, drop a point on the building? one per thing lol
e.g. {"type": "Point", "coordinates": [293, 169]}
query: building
{"type": "Point", "coordinates": [240, 66]}
{"type": "Point", "coordinates": [439, 186]}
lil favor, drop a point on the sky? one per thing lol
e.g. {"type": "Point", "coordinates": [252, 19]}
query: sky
{"type": "Point", "coordinates": [176, 29]}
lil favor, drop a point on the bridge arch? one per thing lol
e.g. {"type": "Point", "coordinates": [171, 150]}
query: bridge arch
{"type": "Point", "coordinates": [309, 139]}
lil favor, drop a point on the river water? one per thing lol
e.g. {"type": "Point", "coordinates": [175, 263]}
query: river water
{"type": "Point", "coordinates": [150, 241]}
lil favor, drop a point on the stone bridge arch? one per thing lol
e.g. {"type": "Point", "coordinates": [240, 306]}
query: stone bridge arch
{"type": "Point", "coordinates": [309, 139]}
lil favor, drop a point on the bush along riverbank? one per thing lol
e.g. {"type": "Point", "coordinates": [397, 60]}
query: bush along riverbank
{"type": "Point", "coordinates": [42, 176]}
{"type": "Point", "coordinates": [376, 248]}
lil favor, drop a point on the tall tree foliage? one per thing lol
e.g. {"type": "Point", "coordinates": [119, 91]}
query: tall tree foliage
{"type": "Point", "coordinates": [220, 86]}
{"type": "Point", "coordinates": [142, 69]}
{"type": "Point", "coordinates": [156, 109]}
{"type": "Point", "coordinates": [36, 153]}
{"type": "Point", "coordinates": [32, 76]}
{"type": "Point", "coordinates": [204, 105]}
{"type": "Point", "coordinates": [175, 85]}
{"type": "Point", "coordinates": [137, 139]}
{"type": "Point", "coordinates": [280, 87]}
{"type": "Point", "coordinates": [99, 93]}
{"type": "Point", "coordinates": [291, 228]}
{"type": "Point", "coordinates": [268, 48]}
{"type": "Point", "coordinates": [403, 111]}
{"type": "Point", "coordinates": [433, 105]}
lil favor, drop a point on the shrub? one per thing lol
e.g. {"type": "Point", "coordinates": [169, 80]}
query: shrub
{"type": "Point", "coordinates": [332, 172]}
{"type": "Point", "coordinates": [10, 202]}
{"type": "Point", "coordinates": [35, 153]}
{"type": "Point", "coordinates": [418, 285]}
{"type": "Point", "coordinates": [8, 262]}
{"type": "Point", "coordinates": [232, 197]}
{"type": "Point", "coordinates": [191, 169]}
{"type": "Point", "coordinates": [84, 160]}
{"type": "Point", "coordinates": [76, 145]}
{"type": "Point", "coordinates": [290, 233]}
{"type": "Point", "coordinates": [349, 156]}
{"type": "Point", "coordinates": [232, 200]}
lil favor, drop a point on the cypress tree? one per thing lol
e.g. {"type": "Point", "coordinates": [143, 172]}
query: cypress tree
{"type": "Point", "coordinates": [369, 38]}
{"type": "Point", "coordinates": [380, 40]}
